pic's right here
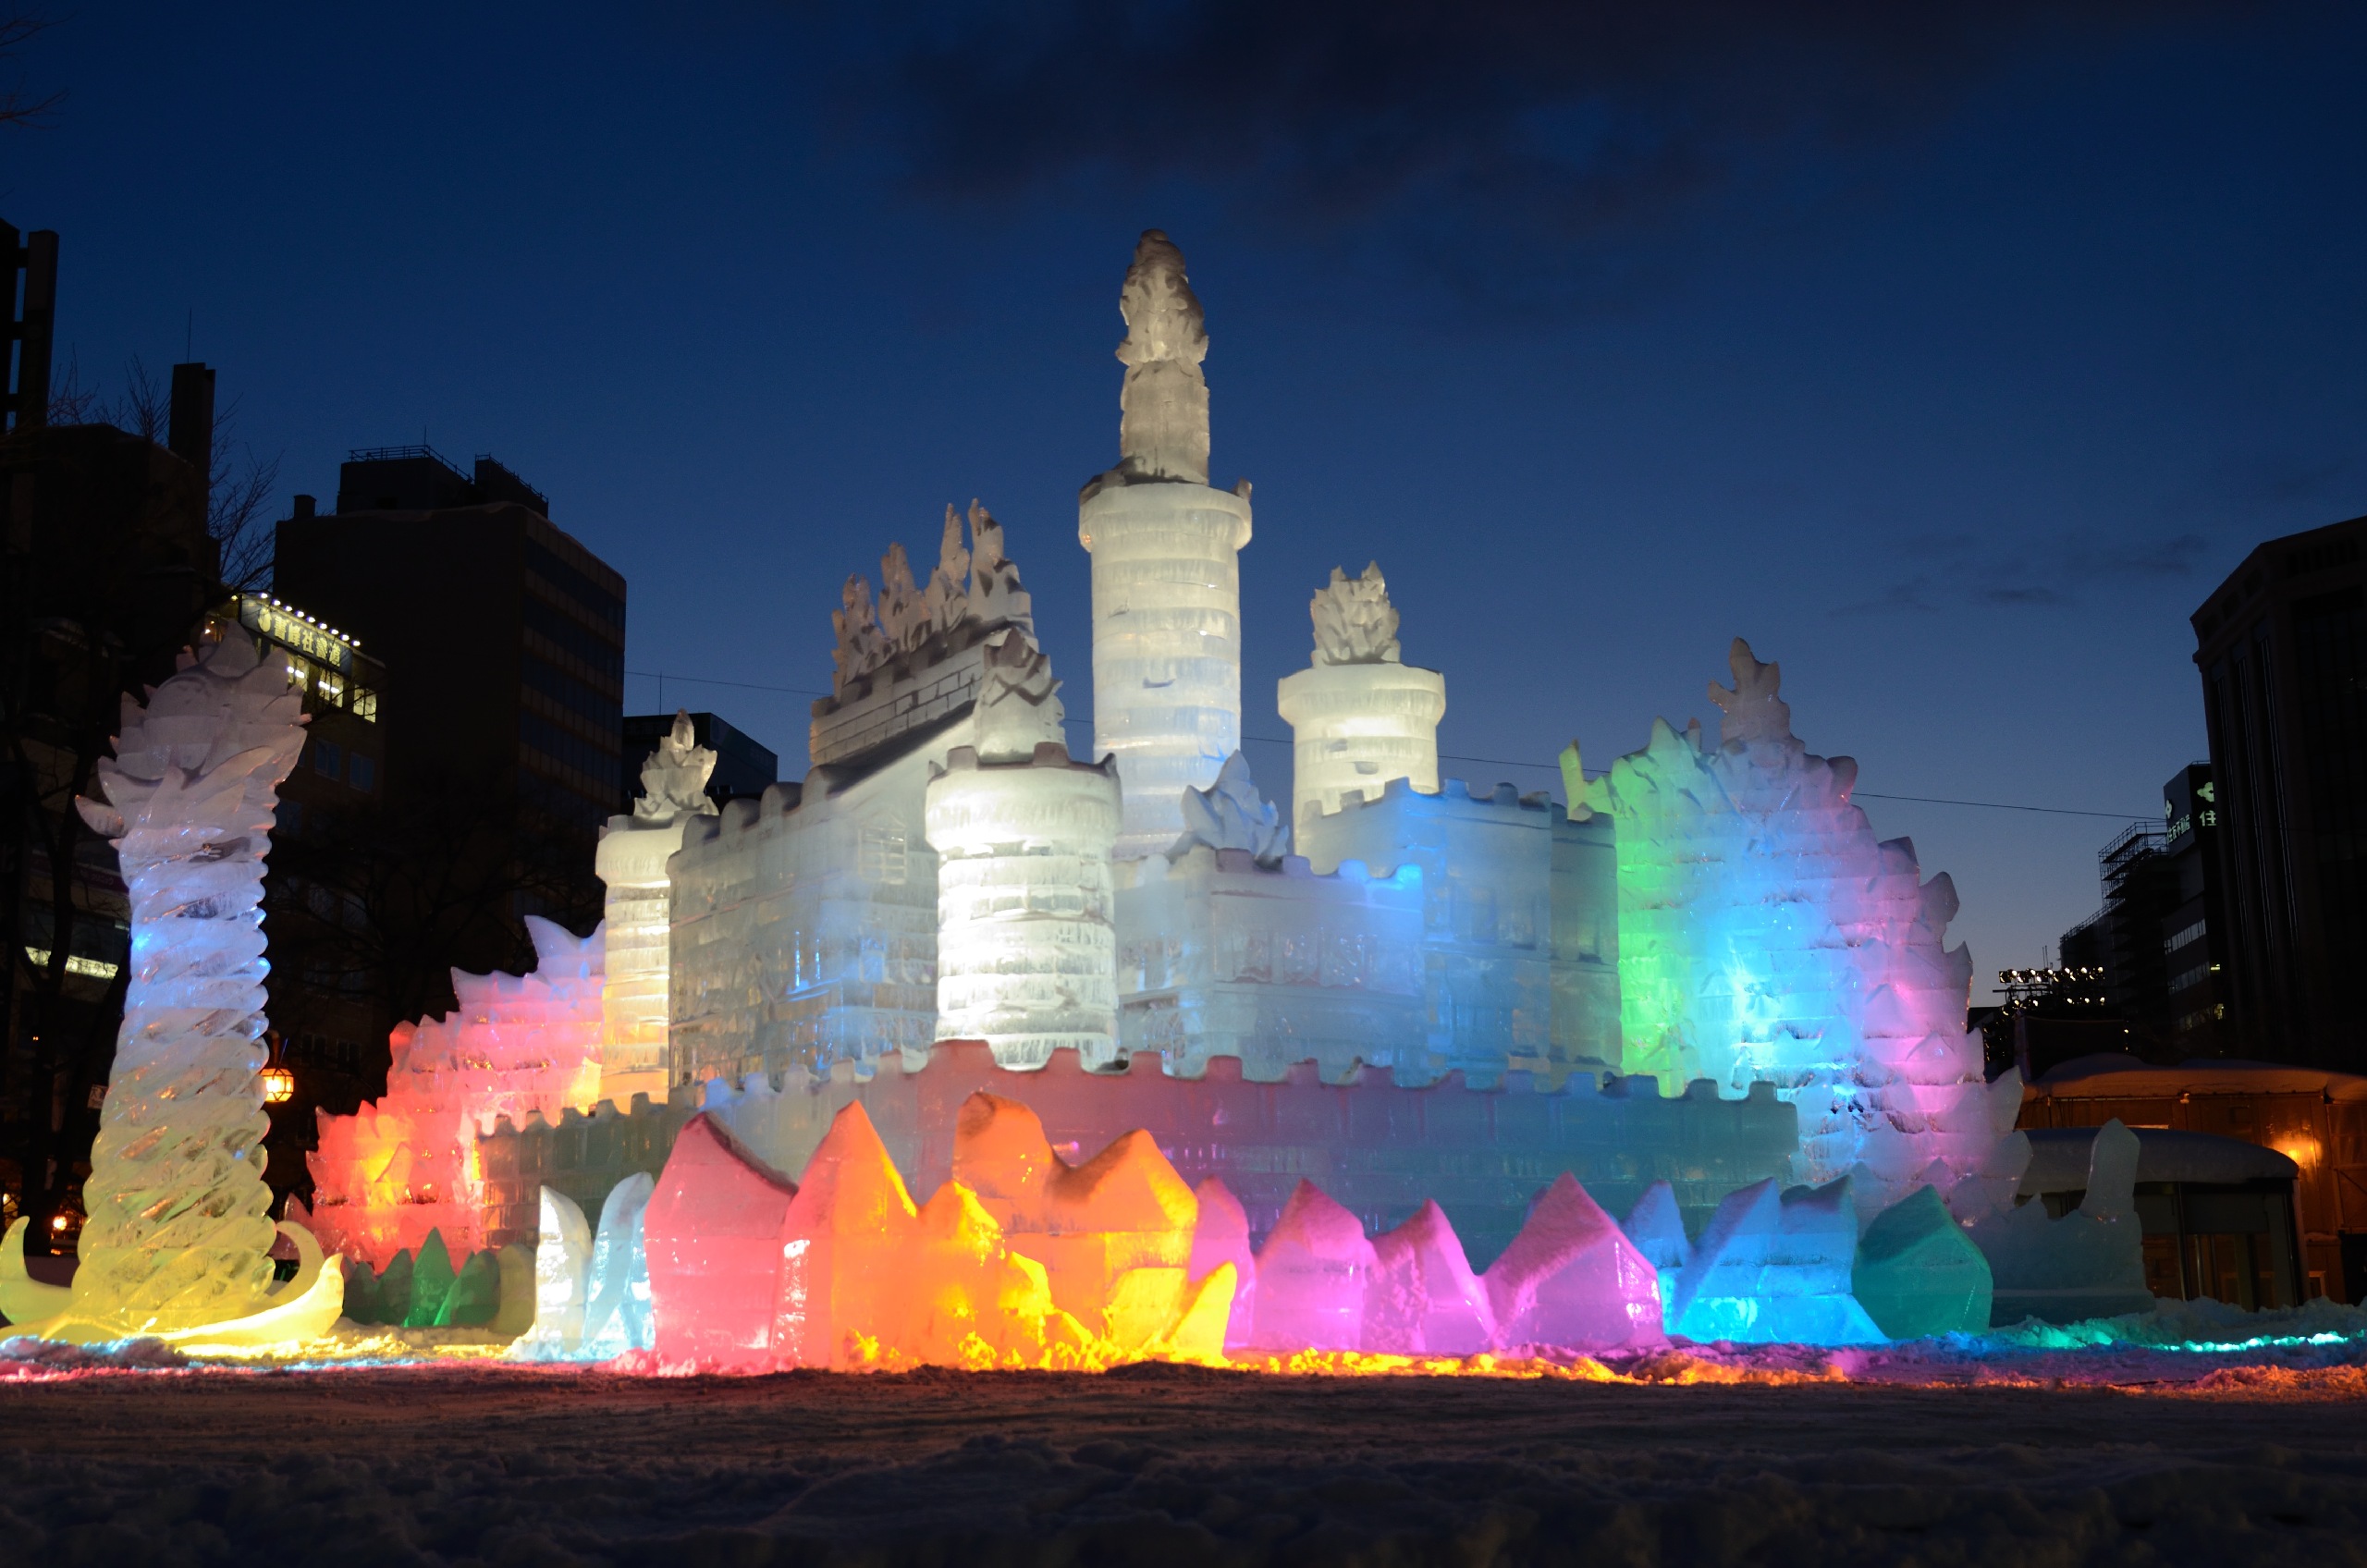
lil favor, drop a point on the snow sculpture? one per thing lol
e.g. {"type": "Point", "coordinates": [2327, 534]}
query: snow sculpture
{"type": "Point", "coordinates": [713, 1232]}
{"type": "Point", "coordinates": [1026, 939]}
{"type": "Point", "coordinates": [1765, 935]}
{"type": "Point", "coordinates": [1166, 572]}
{"type": "Point", "coordinates": [1572, 1279]}
{"type": "Point", "coordinates": [1775, 1266]}
{"type": "Point", "coordinates": [2088, 1263]}
{"type": "Point", "coordinates": [515, 1047]}
{"type": "Point", "coordinates": [1312, 1276]}
{"type": "Point", "coordinates": [1422, 1298]}
{"type": "Point", "coordinates": [632, 862]}
{"type": "Point", "coordinates": [1115, 1236]}
{"type": "Point", "coordinates": [1359, 716]}
{"type": "Point", "coordinates": [1230, 815]}
{"type": "Point", "coordinates": [178, 1242]}
{"type": "Point", "coordinates": [1918, 1274]}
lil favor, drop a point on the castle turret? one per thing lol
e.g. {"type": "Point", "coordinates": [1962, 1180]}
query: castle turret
{"type": "Point", "coordinates": [1359, 716]}
{"type": "Point", "coordinates": [631, 860]}
{"type": "Point", "coordinates": [1026, 943]}
{"type": "Point", "coordinates": [1166, 572]}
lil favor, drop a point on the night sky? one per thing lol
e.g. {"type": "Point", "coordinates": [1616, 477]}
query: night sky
{"type": "Point", "coordinates": [1951, 353]}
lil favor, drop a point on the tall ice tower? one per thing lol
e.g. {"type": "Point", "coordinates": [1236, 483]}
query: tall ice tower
{"type": "Point", "coordinates": [1165, 568]}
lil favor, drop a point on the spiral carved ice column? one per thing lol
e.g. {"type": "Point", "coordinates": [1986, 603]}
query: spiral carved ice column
{"type": "Point", "coordinates": [178, 1234]}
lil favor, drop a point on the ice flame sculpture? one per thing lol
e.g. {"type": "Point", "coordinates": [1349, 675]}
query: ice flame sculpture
{"type": "Point", "coordinates": [1764, 933]}
{"type": "Point", "coordinates": [515, 1045]}
{"type": "Point", "coordinates": [177, 1240]}
{"type": "Point", "coordinates": [1360, 715]}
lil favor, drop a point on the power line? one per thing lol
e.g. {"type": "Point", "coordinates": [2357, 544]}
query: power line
{"type": "Point", "coordinates": [1492, 762]}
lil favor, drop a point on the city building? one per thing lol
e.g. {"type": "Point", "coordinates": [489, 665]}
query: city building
{"type": "Point", "coordinates": [744, 767]}
{"type": "Point", "coordinates": [2279, 645]}
{"type": "Point", "coordinates": [504, 723]}
{"type": "Point", "coordinates": [2194, 929]}
{"type": "Point", "coordinates": [2153, 945]}
{"type": "Point", "coordinates": [328, 1007]}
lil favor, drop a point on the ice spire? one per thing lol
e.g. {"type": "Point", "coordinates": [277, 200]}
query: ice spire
{"type": "Point", "coordinates": [1163, 430]}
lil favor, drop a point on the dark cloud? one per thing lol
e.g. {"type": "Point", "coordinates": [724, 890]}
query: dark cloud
{"type": "Point", "coordinates": [2021, 574]}
{"type": "Point", "coordinates": [1494, 139]}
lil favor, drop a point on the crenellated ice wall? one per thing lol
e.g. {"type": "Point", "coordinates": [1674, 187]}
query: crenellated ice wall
{"type": "Point", "coordinates": [1766, 935]}
{"type": "Point", "coordinates": [514, 1046]}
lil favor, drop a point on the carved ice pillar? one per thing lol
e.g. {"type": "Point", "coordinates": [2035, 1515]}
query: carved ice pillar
{"type": "Point", "coordinates": [1358, 717]}
{"type": "Point", "coordinates": [1165, 568]}
{"type": "Point", "coordinates": [635, 998]}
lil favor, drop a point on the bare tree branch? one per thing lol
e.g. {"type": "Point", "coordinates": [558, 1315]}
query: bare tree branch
{"type": "Point", "coordinates": [19, 106]}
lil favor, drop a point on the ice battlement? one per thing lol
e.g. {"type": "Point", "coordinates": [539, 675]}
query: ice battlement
{"type": "Point", "coordinates": [1378, 1145]}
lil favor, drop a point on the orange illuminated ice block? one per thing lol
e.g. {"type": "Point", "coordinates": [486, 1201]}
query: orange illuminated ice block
{"type": "Point", "coordinates": [1048, 1266]}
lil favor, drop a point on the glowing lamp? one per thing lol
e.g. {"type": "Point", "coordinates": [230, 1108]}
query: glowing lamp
{"type": "Point", "coordinates": [57, 1222]}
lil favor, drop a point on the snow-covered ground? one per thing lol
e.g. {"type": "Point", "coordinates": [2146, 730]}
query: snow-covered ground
{"type": "Point", "coordinates": [2032, 1446]}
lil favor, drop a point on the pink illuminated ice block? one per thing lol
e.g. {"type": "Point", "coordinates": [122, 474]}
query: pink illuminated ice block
{"type": "Point", "coordinates": [1312, 1275]}
{"type": "Point", "coordinates": [713, 1231]}
{"type": "Point", "coordinates": [1423, 1298]}
{"type": "Point", "coordinates": [1572, 1279]}
{"type": "Point", "coordinates": [1222, 1237]}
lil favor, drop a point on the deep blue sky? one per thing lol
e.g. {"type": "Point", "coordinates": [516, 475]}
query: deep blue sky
{"type": "Point", "coordinates": [1950, 354]}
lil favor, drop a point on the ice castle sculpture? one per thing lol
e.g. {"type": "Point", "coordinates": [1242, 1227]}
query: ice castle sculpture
{"type": "Point", "coordinates": [1359, 716]}
{"type": "Point", "coordinates": [1766, 935]}
{"type": "Point", "coordinates": [631, 863]}
{"type": "Point", "coordinates": [177, 1240]}
{"type": "Point", "coordinates": [514, 1046]}
{"type": "Point", "coordinates": [1458, 1012]}
{"type": "Point", "coordinates": [1166, 566]}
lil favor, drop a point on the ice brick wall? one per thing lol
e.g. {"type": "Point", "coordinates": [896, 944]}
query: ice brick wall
{"type": "Point", "coordinates": [1486, 862]}
{"type": "Point", "coordinates": [805, 928]}
{"type": "Point", "coordinates": [1219, 956]}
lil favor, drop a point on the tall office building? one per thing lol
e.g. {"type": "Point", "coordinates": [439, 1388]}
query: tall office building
{"type": "Point", "coordinates": [2279, 645]}
{"type": "Point", "coordinates": [505, 641]}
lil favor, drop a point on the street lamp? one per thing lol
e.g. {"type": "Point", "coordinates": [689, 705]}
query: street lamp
{"type": "Point", "coordinates": [278, 1084]}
